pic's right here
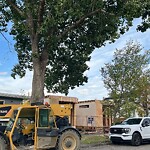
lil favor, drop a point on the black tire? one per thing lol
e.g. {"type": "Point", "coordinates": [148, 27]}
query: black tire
{"type": "Point", "coordinates": [68, 140]}
{"type": "Point", "coordinates": [136, 139]}
{"type": "Point", "coordinates": [3, 144]}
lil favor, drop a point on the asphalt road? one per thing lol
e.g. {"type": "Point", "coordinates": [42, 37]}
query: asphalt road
{"type": "Point", "coordinates": [116, 147]}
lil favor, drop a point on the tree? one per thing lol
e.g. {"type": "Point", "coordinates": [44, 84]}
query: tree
{"type": "Point", "coordinates": [143, 87]}
{"type": "Point", "coordinates": [145, 15]}
{"type": "Point", "coordinates": [55, 38]}
{"type": "Point", "coordinates": [124, 76]}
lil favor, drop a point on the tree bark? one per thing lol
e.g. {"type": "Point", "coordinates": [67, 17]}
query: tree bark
{"type": "Point", "coordinates": [39, 68]}
{"type": "Point", "coordinates": [37, 84]}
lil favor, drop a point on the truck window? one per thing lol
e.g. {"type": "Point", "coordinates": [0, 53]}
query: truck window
{"type": "Point", "coordinates": [43, 117]}
{"type": "Point", "coordinates": [132, 121]}
{"type": "Point", "coordinates": [146, 122]}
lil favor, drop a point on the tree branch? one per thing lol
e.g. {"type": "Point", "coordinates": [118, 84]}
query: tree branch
{"type": "Point", "coordinates": [81, 20]}
{"type": "Point", "coordinates": [4, 37]}
{"type": "Point", "coordinates": [40, 12]}
{"type": "Point", "coordinates": [6, 40]}
{"type": "Point", "coordinates": [14, 6]}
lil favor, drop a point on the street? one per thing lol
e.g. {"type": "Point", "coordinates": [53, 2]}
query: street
{"type": "Point", "coordinates": [117, 147]}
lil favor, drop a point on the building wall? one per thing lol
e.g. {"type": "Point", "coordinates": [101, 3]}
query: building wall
{"type": "Point", "coordinates": [11, 101]}
{"type": "Point", "coordinates": [89, 114]}
{"type": "Point", "coordinates": [11, 98]}
{"type": "Point", "coordinates": [99, 112]}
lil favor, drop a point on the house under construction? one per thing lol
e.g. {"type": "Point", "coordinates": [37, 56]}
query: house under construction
{"type": "Point", "coordinates": [90, 116]}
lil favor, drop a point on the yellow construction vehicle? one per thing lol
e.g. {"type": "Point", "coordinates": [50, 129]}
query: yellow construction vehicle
{"type": "Point", "coordinates": [39, 127]}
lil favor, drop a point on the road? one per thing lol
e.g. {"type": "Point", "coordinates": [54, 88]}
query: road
{"type": "Point", "coordinates": [117, 147]}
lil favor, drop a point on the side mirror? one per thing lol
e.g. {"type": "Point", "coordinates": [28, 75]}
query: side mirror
{"type": "Point", "coordinates": [143, 124]}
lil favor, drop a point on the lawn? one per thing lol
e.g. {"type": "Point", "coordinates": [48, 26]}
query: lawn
{"type": "Point", "coordinates": [94, 139]}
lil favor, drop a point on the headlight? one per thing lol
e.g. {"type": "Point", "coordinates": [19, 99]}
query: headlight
{"type": "Point", "coordinates": [126, 130]}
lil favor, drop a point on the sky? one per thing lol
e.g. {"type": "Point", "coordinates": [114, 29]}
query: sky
{"type": "Point", "coordinates": [92, 90]}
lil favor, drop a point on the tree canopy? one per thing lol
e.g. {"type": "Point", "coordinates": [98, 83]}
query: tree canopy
{"type": "Point", "coordinates": [127, 79]}
{"type": "Point", "coordinates": [55, 38]}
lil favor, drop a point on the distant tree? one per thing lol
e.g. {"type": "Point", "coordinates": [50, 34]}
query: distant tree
{"type": "Point", "coordinates": [55, 38]}
{"type": "Point", "coordinates": [143, 87]}
{"type": "Point", "coordinates": [122, 77]}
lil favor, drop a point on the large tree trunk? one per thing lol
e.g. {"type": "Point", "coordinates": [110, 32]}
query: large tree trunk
{"type": "Point", "coordinates": [39, 59]}
{"type": "Point", "coordinates": [38, 83]}
{"type": "Point", "coordinates": [39, 67]}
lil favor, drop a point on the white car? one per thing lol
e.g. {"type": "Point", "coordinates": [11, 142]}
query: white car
{"type": "Point", "coordinates": [134, 130]}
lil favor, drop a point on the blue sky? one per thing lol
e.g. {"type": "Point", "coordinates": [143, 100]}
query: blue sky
{"type": "Point", "coordinates": [7, 57]}
{"type": "Point", "coordinates": [94, 89]}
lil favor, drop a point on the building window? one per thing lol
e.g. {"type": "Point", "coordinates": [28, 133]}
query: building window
{"type": "Point", "coordinates": [84, 106]}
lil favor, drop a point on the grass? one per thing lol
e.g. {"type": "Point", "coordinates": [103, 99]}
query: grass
{"type": "Point", "coordinates": [94, 139]}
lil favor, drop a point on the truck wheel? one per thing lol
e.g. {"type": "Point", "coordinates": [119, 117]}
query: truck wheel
{"type": "Point", "coordinates": [3, 144]}
{"type": "Point", "coordinates": [68, 140]}
{"type": "Point", "coordinates": [136, 139]}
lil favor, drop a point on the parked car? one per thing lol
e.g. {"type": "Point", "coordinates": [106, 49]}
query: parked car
{"type": "Point", "coordinates": [134, 130]}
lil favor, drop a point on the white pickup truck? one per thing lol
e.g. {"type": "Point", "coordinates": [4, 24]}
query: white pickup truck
{"type": "Point", "coordinates": [133, 130]}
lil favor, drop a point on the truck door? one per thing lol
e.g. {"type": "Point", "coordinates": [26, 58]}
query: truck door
{"type": "Point", "coordinates": [46, 133]}
{"type": "Point", "coordinates": [146, 128]}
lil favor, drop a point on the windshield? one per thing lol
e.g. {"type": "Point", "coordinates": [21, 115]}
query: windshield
{"type": "Point", "coordinates": [132, 121]}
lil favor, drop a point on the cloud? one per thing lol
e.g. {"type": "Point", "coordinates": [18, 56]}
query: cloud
{"type": "Point", "coordinates": [3, 73]}
{"type": "Point", "coordinates": [94, 89]}
{"type": "Point", "coordinates": [16, 86]}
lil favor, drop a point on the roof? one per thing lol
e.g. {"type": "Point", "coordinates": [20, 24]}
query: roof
{"type": "Point", "coordinates": [13, 96]}
{"type": "Point", "coordinates": [63, 98]}
{"type": "Point", "coordinates": [89, 101]}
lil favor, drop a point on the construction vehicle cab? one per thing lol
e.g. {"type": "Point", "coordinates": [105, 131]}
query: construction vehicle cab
{"type": "Point", "coordinates": [36, 127]}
